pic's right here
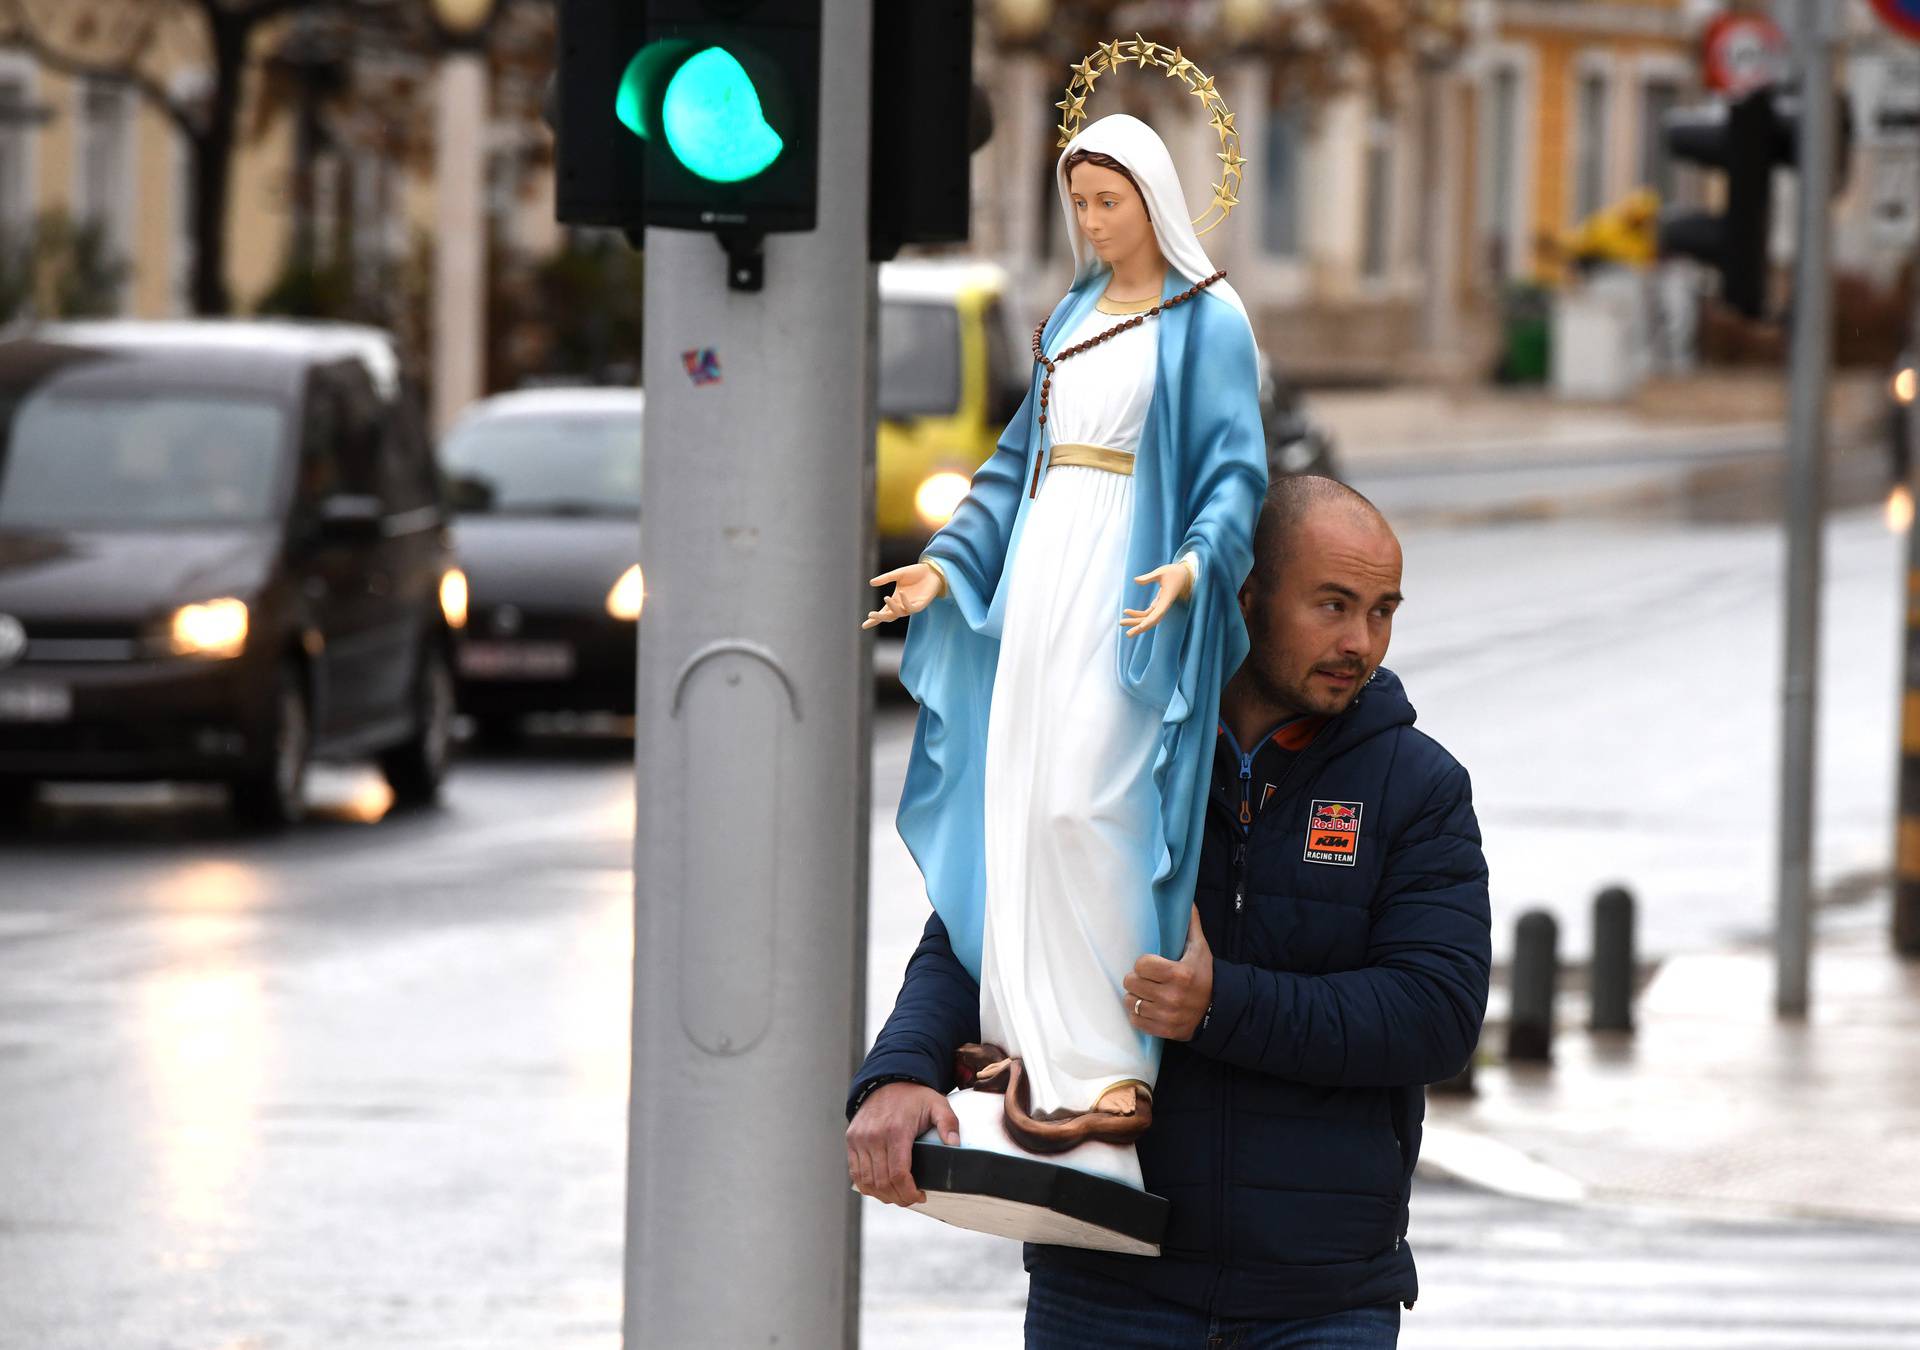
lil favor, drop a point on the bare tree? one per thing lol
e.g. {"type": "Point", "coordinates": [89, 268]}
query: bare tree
{"type": "Point", "coordinates": [141, 45]}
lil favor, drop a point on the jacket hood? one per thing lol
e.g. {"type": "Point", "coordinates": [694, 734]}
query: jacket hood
{"type": "Point", "coordinates": [1379, 707]}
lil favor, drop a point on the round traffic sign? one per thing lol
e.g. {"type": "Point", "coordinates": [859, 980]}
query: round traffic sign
{"type": "Point", "coordinates": [1741, 52]}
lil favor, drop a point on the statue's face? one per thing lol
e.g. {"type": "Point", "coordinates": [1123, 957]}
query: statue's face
{"type": "Point", "coordinates": [1318, 631]}
{"type": "Point", "coordinates": [1111, 214]}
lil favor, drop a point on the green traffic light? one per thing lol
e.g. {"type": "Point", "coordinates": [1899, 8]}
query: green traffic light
{"type": "Point", "coordinates": [710, 110]}
{"type": "Point", "coordinates": [713, 119]}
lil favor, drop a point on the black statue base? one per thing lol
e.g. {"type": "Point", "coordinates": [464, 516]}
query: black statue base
{"type": "Point", "coordinates": [1034, 1200]}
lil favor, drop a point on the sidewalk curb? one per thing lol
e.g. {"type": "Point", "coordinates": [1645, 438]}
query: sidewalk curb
{"type": "Point", "coordinates": [1676, 447]}
{"type": "Point", "coordinates": [1492, 1164]}
{"type": "Point", "coordinates": [1484, 1162]}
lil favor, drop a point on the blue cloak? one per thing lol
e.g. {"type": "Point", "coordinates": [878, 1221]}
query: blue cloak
{"type": "Point", "coordinates": [1199, 478]}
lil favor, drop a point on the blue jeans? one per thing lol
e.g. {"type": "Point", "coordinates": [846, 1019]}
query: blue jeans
{"type": "Point", "coordinates": [1070, 1309]}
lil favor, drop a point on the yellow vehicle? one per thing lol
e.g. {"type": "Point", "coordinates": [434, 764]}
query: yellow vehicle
{"type": "Point", "coordinates": [952, 376]}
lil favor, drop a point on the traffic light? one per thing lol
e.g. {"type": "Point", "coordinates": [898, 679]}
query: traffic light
{"type": "Point", "coordinates": [704, 115]}
{"type": "Point", "coordinates": [1745, 139]}
{"type": "Point", "coordinates": [600, 170]}
{"type": "Point", "coordinates": [691, 114]}
{"type": "Point", "coordinates": [928, 119]}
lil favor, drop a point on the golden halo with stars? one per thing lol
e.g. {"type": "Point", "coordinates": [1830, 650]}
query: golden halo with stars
{"type": "Point", "coordinates": [1111, 56]}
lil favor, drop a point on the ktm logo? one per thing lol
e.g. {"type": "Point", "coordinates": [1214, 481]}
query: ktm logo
{"type": "Point", "coordinates": [1333, 833]}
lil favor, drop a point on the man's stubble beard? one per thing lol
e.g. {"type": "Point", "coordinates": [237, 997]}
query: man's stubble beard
{"type": "Point", "coordinates": [1295, 698]}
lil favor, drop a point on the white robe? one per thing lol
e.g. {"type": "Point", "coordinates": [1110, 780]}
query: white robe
{"type": "Point", "coordinates": [1069, 902]}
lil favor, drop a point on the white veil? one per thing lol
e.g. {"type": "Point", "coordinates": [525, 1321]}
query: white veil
{"type": "Point", "coordinates": [1139, 147]}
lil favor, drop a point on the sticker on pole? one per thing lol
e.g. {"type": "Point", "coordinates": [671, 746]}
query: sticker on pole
{"type": "Point", "coordinates": [703, 365]}
{"type": "Point", "coordinates": [1902, 16]}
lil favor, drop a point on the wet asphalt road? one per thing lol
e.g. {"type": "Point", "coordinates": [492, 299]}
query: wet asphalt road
{"type": "Point", "coordinates": [364, 1084]}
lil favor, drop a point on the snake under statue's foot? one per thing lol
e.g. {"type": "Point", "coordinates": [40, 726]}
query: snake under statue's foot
{"type": "Point", "coordinates": [1121, 1116]}
{"type": "Point", "coordinates": [984, 1068]}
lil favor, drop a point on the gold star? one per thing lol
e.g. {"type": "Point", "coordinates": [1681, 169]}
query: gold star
{"type": "Point", "coordinates": [1109, 55]}
{"type": "Point", "coordinates": [1074, 105]}
{"type": "Point", "coordinates": [1202, 89]}
{"type": "Point", "coordinates": [1145, 51]}
{"type": "Point", "coordinates": [1223, 196]}
{"type": "Point", "coordinates": [1231, 158]}
{"type": "Point", "coordinates": [1085, 73]}
{"type": "Point", "coordinates": [1180, 66]}
{"type": "Point", "coordinates": [1066, 134]}
{"type": "Point", "coordinates": [1223, 120]}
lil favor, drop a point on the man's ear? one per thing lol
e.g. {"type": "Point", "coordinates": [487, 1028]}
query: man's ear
{"type": "Point", "coordinates": [1246, 598]}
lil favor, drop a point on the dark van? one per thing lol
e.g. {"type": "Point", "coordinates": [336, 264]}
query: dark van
{"type": "Point", "coordinates": [223, 554]}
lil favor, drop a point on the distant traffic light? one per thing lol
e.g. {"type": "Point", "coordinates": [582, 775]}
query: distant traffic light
{"type": "Point", "coordinates": [1745, 139]}
{"type": "Point", "coordinates": [1742, 139]}
{"type": "Point", "coordinates": [692, 114]}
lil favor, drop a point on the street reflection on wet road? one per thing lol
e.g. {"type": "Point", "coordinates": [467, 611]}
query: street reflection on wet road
{"type": "Point", "coordinates": [363, 1083]}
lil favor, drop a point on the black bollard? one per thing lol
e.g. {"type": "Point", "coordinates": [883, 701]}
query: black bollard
{"type": "Point", "coordinates": [1611, 979]}
{"type": "Point", "coordinates": [1536, 980]}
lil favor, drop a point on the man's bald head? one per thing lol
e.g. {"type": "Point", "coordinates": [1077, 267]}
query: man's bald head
{"type": "Point", "coordinates": [1289, 503]}
{"type": "Point", "coordinates": [1320, 601]}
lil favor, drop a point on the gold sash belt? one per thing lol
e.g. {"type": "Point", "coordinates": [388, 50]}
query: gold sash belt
{"type": "Point", "coordinates": [1091, 457]}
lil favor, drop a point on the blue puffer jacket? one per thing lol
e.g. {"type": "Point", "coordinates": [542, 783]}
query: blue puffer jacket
{"type": "Point", "coordinates": [1285, 1132]}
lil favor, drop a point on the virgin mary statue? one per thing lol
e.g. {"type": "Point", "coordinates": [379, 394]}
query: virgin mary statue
{"type": "Point", "coordinates": [1073, 624]}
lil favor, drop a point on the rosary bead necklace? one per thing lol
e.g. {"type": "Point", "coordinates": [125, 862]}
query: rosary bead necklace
{"type": "Point", "coordinates": [1052, 362]}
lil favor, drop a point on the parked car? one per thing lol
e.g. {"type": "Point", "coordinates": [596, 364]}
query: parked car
{"type": "Point", "coordinates": [223, 554]}
{"type": "Point", "coordinates": [546, 484]}
{"type": "Point", "coordinates": [952, 375]}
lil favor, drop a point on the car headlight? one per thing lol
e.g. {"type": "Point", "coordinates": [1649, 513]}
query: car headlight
{"type": "Point", "coordinates": [938, 496]}
{"type": "Point", "coordinates": [1905, 384]}
{"type": "Point", "coordinates": [453, 597]}
{"type": "Point", "coordinates": [215, 628]}
{"type": "Point", "coordinates": [628, 594]}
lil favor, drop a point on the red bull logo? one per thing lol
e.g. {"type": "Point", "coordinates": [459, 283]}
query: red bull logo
{"type": "Point", "coordinates": [1333, 833]}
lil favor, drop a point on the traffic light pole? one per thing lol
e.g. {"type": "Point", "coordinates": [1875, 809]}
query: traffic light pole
{"type": "Point", "coordinates": [752, 735]}
{"type": "Point", "coordinates": [1906, 851]}
{"type": "Point", "coordinates": [1806, 493]}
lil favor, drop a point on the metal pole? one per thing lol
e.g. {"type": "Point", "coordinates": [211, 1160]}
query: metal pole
{"type": "Point", "coordinates": [1811, 356]}
{"type": "Point", "coordinates": [1906, 870]}
{"type": "Point", "coordinates": [1906, 878]}
{"type": "Point", "coordinates": [752, 748]}
{"type": "Point", "coordinates": [460, 229]}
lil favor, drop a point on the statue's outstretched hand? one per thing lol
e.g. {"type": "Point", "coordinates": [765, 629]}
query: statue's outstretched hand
{"type": "Point", "coordinates": [915, 587]}
{"type": "Point", "coordinates": [1175, 581]}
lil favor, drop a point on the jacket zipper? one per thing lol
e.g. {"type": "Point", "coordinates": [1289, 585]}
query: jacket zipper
{"type": "Point", "coordinates": [1246, 798]}
{"type": "Point", "coordinates": [1233, 954]}
{"type": "Point", "coordinates": [1226, 1078]}
{"type": "Point", "coordinates": [1225, 1243]}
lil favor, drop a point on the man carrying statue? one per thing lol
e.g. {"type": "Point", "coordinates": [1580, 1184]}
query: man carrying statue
{"type": "Point", "coordinates": [1337, 962]}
